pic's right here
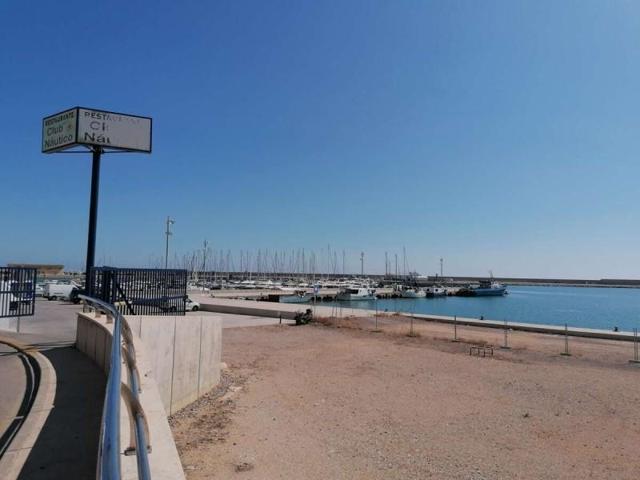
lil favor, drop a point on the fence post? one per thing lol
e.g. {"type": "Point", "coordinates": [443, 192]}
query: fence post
{"type": "Point", "coordinates": [635, 347]}
{"type": "Point", "coordinates": [376, 317]}
{"type": "Point", "coordinates": [566, 341]}
{"type": "Point", "coordinates": [505, 346]}
{"type": "Point", "coordinates": [455, 329]}
{"type": "Point", "coordinates": [411, 332]}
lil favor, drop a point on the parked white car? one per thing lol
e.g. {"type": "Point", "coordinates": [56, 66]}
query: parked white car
{"type": "Point", "coordinates": [191, 305]}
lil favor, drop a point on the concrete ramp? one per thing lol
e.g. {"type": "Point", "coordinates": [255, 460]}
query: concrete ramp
{"type": "Point", "coordinates": [57, 438]}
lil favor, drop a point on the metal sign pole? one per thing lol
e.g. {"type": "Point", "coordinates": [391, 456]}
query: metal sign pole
{"type": "Point", "coordinates": [93, 215]}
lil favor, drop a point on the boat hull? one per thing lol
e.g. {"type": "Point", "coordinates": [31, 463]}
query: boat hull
{"type": "Point", "coordinates": [489, 292]}
{"type": "Point", "coordinates": [348, 297]}
{"type": "Point", "coordinates": [295, 298]}
{"type": "Point", "coordinates": [412, 294]}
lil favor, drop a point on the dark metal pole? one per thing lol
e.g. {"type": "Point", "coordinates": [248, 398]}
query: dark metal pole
{"type": "Point", "coordinates": [93, 215]}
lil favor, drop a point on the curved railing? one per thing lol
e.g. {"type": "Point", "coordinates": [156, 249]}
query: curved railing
{"type": "Point", "coordinates": [109, 446]}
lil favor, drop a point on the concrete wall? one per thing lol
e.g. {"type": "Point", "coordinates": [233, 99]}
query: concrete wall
{"type": "Point", "coordinates": [184, 355]}
{"type": "Point", "coordinates": [252, 307]}
{"type": "Point", "coordinates": [178, 359]}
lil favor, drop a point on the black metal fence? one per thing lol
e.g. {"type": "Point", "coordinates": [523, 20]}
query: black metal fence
{"type": "Point", "coordinates": [17, 291]}
{"type": "Point", "coordinates": [140, 291]}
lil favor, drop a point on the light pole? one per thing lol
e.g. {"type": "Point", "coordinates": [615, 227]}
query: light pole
{"type": "Point", "coordinates": [166, 250]}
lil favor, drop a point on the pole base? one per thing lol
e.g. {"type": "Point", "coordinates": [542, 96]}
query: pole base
{"type": "Point", "coordinates": [505, 348]}
{"type": "Point", "coordinates": [565, 354]}
{"type": "Point", "coordinates": [634, 361]}
{"type": "Point", "coordinates": [455, 340]}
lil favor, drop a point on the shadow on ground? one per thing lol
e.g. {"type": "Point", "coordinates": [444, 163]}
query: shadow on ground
{"type": "Point", "coordinates": [68, 444]}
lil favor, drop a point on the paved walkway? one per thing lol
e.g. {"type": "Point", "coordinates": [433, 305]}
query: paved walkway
{"type": "Point", "coordinates": [14, 381]}
{"type": "Point", "coordinates": [68, 442]}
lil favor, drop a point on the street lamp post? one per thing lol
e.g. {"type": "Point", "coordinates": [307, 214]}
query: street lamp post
{"type": "Point", "coordinates": [167, 233]}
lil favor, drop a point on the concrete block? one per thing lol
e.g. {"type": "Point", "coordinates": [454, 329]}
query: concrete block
{"type": "Point", "coordinates": [157, 334]}
{"type": "Point", "coordinates": [186, 362]}
{"type": "Point", "coordinates": [9, 323]}
{"type": "Point", "coordinates": [210, 353]}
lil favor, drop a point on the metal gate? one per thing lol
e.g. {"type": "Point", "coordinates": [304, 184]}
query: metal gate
{"type": "Point", "coordinates": [17, 291]}
{"type": "Point", "coordinates": [140, 291]}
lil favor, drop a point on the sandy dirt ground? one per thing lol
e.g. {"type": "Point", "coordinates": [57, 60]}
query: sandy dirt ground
{"type": "Point", "coordinates": [340, 401]}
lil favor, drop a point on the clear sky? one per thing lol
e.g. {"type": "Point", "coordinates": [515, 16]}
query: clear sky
{"type": "Point", "coordinates": [499, 135]}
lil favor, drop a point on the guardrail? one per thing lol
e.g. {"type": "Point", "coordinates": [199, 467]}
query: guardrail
{"type": "Point", "coordinates": [109, 444]}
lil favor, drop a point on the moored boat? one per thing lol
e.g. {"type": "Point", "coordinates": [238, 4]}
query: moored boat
{"type": "Point", "coordinates": [356, 293]}
{"type": "Point", "coordinates": [486, 288]}
{"type": "Point", "coordinates": [413, 293]}
{"type": "Point", "coordinates": [436, 291]}
{"type": "Point", "coordinates": [299, 296]}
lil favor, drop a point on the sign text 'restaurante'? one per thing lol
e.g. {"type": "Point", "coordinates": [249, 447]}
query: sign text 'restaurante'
{"type": "Point", "coordinates": [59, 130]}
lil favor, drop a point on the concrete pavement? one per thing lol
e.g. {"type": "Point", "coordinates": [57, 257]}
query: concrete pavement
{"type": "Point", "coordinates": [14, 383]}
{"type": "Point", "coordinates": [67, 443]}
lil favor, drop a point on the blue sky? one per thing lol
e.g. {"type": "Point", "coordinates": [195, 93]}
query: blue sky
{"type": "Point", "coordinates": [499, 135]}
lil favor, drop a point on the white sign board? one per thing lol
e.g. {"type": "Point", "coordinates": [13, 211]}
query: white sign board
{"type": "Point", "coordinates": [85, 126]}
{"type": "Point", "coordinates": [59, 131]}
{"type": "Point", "coordinates": [114, 130]}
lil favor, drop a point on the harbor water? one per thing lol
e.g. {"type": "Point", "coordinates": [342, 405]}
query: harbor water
{"type": "Point", "coordinates": [584, 307]}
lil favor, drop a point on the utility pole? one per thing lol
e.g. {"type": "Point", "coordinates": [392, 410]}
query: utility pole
{"type": "Point", "coordinates": [396, 265]}
{"type": "Point", "coordinates": [362, 264]}
{"type": "Point", "coordinates": [168, 234]}
{"type": "Point", "coordinates": [441, 261]}
{"type": "Point", "coordinates": [386, 264]}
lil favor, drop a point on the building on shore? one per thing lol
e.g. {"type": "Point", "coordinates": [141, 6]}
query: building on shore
{"type": "Point", "coordinates": [44, 270]}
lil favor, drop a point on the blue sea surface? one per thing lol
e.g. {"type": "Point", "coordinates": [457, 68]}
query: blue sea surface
{"type": "Point", "coordinates": [602, 308]}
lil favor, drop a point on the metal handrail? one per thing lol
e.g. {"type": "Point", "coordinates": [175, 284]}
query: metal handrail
{"type": "Point", "coordinates": [109, 449]}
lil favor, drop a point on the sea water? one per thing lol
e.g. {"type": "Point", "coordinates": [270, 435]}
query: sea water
{"type": "Point", "coordinates": [601, 308]}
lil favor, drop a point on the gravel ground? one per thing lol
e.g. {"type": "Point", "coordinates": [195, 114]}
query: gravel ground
{"type": "Point", "coordinates": [320, 402]}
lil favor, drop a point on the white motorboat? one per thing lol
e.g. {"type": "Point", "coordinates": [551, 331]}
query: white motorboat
{"type": "Point", "coordinates": [299, 296]}
{"type": "Point", "coordinates": [356, 293]}
{"type": "Point", "coordinates": [413, 293]}
{"type": "Point", "coordinates": [436, 291]}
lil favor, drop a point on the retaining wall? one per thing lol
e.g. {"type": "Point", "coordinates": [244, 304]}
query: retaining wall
{"type": "Point", "coordinates": [178, 359]}
{"type": "Point", "coordinates": [184, 355]}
